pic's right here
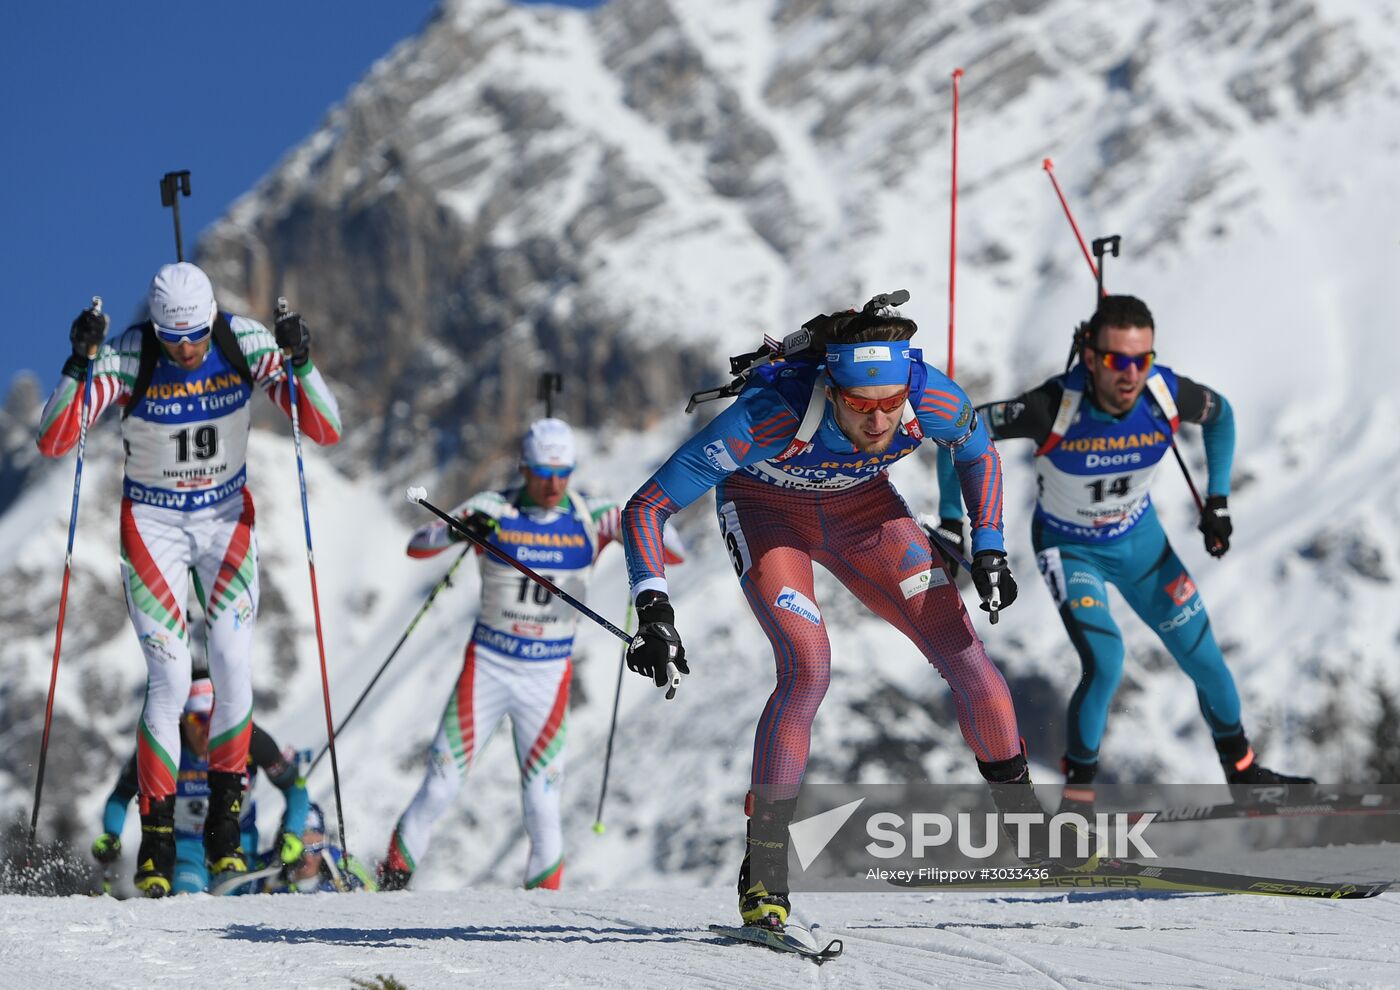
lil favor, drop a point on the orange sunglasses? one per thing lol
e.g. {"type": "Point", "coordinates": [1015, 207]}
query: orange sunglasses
{"type": "Point", "coordinates": [867, 406]}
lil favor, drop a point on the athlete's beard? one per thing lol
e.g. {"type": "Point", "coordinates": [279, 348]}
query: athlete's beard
{"type": "Point", "coordinates": [878, 447]}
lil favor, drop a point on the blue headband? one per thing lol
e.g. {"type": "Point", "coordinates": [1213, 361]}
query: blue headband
{"type": "Point", "coordinates": [880, 363]}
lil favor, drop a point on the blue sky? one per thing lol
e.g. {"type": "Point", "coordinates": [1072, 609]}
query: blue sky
{"type": "Point", "coordinates": [100, 99]}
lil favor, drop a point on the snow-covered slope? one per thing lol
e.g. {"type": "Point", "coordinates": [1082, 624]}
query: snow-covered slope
{"type": "Point", "coordinates": [645, 938]}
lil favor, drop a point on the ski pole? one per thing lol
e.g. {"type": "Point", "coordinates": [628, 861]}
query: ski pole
{"type": "Point", "coordinates": [427, 604]}
{"type": "Point", "coordinates": [994, 603]}
{"type": "Point", "coordinates": [172, 186]}
{"type": "Point", "coordinates": [1099, 244]}
{"type": "Point", "coordinates": [290, 373]}
{"type": "Point", "coordinates": [953, 224]}
{"type": "Point", "coordinates": [84, 404]}
{"type": "Point", "coordinates": [419, 496]}
{"type": "Point", "coordinates": [612, 730]}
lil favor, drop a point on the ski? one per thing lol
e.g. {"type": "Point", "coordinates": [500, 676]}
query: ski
{"type": "Point", "coordinates": [1125, 875]}
{"type": "Point", "coordinates": [1276, 802]}
{"type": "Point", "coordinates": [784, 941]}
{"type": "Point", "coordinates": [233, 883]}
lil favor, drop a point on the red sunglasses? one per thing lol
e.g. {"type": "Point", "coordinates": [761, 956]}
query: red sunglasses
{"type": "Point", "coordinates": [867, 406]}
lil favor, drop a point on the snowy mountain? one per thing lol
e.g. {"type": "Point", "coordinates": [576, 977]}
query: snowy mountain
{"type": "Point", "coordinates": [630, 195]}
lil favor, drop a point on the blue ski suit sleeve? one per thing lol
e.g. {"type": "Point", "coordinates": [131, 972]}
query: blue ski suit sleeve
{"type": "Point", "coordinates": [948, 418]}
{"type": "Point", "coordinates": [757, 426]}
{"type": "Point", "coordinates": [1219, 436]}
{"type": "Point", "coordinates": [114, 813]}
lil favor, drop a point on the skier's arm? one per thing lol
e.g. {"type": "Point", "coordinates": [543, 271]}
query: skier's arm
{"type": "Point", "coordinates": [947, 417]}
{"type": "Point", "coordinates": [317, 411]}
{"type": "Point", "coordinates": [112, 376]}
{"type": "Point", "coordinates": [607, 516]}
{"type": "Point", "coordinates": [1198, 404]}
{"type": "Point", "coordinates": [285, 776]}
{"type": "Point", "coordinates": [757, 426]}
{"type": "Point", "coordinates": [1029, 415]}
{"type": "Point", "coordinates": [435, 537]}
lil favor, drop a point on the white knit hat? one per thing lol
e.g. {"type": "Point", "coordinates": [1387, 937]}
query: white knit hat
{"type": "Point", "coordinates": [549, 443]}
{"type": "Point", "coordinates": [181, 298]}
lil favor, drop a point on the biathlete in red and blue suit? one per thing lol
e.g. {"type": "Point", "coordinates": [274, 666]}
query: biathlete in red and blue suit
{"type": "Point", "coordinates": [799, 465]}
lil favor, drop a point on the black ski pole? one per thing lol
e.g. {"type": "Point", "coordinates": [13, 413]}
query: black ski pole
{"type": "Point", "coordinates": [612, 730]}
{"type": "Point", "coordinates": [84, 404]}
{"type": "Point", "coordinates": [427, 604]}
{"type": "Point", "coordinates": [419, 496]}
{"type": "Point", "coordinates": [551, 384]}
{"type": "Point", "coordinates": [172, 186]}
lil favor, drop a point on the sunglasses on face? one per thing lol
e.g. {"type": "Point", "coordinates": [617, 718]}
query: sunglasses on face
{"type": "Point", "coordinates": [193, 719]}
{"type": "Point", "coordinates": [192, 336]}
{"type": "Point", "coordinates": [865, 406]}
{"type": "Point", "coordinates": [549, 471]}
{"type": "Point", "coordinates": [1120, 362]}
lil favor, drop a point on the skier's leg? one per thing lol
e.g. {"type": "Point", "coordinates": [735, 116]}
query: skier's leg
{"type": "Point", "coordinates": [1159, 589]}
{"type": "Point", "coordinates": [768, 534]}
{"type": "Point", "coordinates": [539, 716]}
{"type": "Point", "coordinates": [477, 703]}
{"type": "Point", "coordinates": [775, 573]}
{"type": "Point", "coordinates": [1080, 593]}
{"type": "Point", "coordinates": [226, 564]}
{"type": "Point", "coordinates": [191, 875]}
{"type": "Point", "coordinates": [877, 550]}
{"type": "Point", "coordinates": [227, 568]}
{"type": "Point", "coordinates": [155, 577]}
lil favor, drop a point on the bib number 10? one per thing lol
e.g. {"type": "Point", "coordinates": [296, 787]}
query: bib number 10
{"type": "Point", "coordinates": [202, 442]}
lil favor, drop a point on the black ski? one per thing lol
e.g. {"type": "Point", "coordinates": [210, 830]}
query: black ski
{"type": "Point", "coordinates": [783, 941]}
{"type": "Point", "coordinates": [1125, 875]}
{"type": "Point", "coordinates": [1276, 802]}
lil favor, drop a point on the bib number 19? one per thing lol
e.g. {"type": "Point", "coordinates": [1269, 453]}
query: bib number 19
{"type": "Point", "coordinates": [202, 442]}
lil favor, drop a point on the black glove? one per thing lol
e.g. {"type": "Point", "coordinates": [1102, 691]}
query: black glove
{"type": "Point", "coordinates": [950, 531]}
{"type": "Point", "coordinates": [293, 335]}
{"type": "Point", "coordinates": [479, 524]}
{"type": "Point", "coordinates": [1215, 525]}
{"type": "Point", "coordinates": [657, 642]}
{"type": "Point", "coordinates": [87, 333]}
{"type": "Point", "coordinates": [989, 571]}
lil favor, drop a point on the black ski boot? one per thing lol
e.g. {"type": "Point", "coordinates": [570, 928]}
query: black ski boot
{"type": "Point", "coordinates": [1243, 770]}
{"type": "Point", "coordinates": [763, 874]}
{"type": "Point", "coordinates": [155, 860]}
{"type": "Point", "coordinates": [223, 850]}
{"type": "Point", "coordinates": [1078, 796]}
{"type": "Point", "coordinates": [1014, 793]}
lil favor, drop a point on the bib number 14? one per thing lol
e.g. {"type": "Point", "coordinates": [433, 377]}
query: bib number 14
{"type": "Point", "coordinates": [1117, 488]}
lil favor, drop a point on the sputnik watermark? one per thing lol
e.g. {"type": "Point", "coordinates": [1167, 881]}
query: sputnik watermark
{"type": "Point", "coordinates": [1119, 835]}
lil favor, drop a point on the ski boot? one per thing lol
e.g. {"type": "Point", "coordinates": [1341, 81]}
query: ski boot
{"type": "Point", "coordinates": [1252, 781]}
{"type": "Point", "coordinates": [155, 860]}
{"type": "Point", "coordinates": [763, 874]}
{"type": "Point", "coordinates": [395, 871]}
{"type": "Point", "coordinates": [1014, 793]}
{"type": "Point", "coordinates": [223, 850]}
{"type": "Point", "coordinates": [1078, 796]}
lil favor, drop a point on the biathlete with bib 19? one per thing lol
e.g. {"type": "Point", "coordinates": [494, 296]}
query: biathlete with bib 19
{"type": "Point", "coordinates": [185, 379]}
{"type": "Point", "coordinates": [1101, 429]}
{"type": "Point", "coordinates": [798, 464]}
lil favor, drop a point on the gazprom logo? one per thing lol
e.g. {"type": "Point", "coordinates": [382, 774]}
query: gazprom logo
{"type": "Point", "coordinates": [799, 604]}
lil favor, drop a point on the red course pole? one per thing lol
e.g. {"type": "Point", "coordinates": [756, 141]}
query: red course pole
{"type": "Point", "coordinates": [953, 225]}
